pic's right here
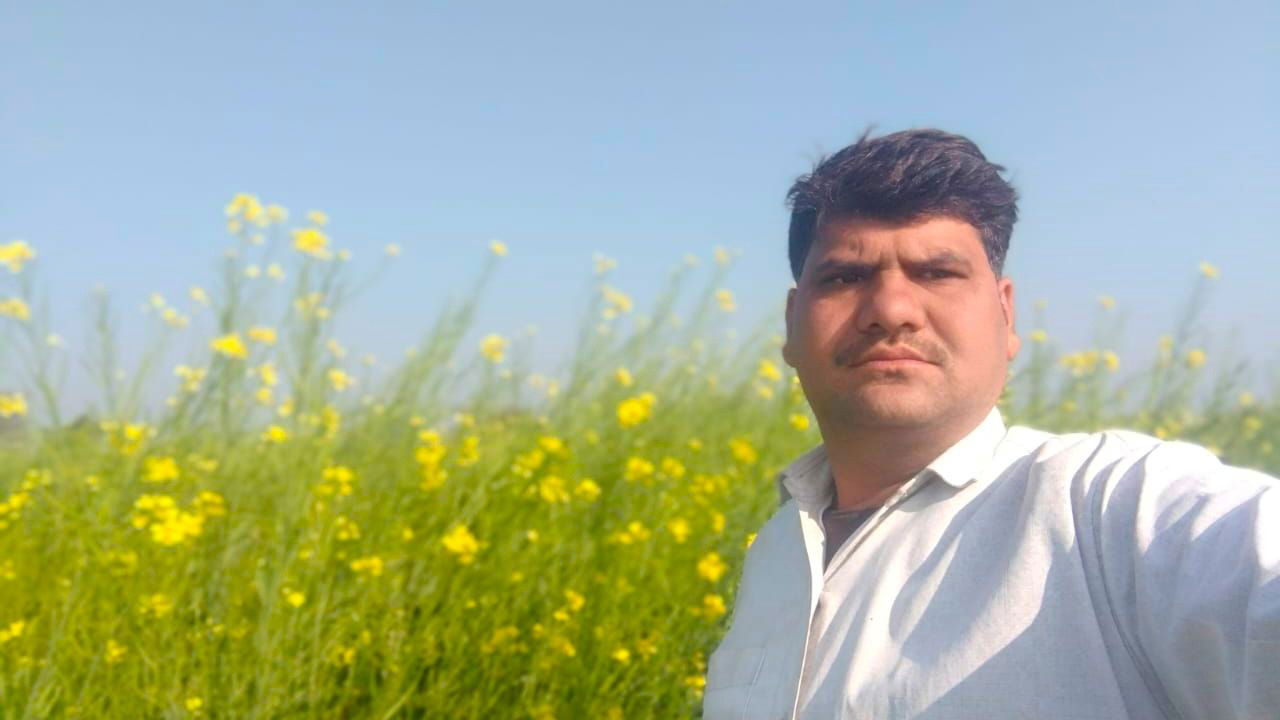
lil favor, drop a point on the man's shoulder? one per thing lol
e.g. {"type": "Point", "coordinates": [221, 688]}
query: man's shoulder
{"type": "Point", "coordinates": [1114, 453]}
{"type": "Point", "coordinates": [776, 539]}
{"type": "Point", "coordinates": [1110, 443]}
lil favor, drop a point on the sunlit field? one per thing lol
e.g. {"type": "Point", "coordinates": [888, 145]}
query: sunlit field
{"type": "Point", "coordinates": [292, 537]}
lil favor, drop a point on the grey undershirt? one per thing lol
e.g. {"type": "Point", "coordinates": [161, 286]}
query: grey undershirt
{"type": "Point", "coordinates": [839, 525]}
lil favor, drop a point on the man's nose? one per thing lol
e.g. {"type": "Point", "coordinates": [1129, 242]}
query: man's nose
{"type": "Point", "coordinates": [890, 305]}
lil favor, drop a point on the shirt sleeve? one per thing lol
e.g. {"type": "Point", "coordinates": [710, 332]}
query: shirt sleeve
{"type": "Point", "coordinates": [1191, 560]}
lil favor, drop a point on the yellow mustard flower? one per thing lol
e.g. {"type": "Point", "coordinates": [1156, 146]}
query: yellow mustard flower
{"type": "Point", "coordinates": [191, 377]}
{"type": "Point", "coordinates": [15, 308]}
{"type": "Point", "coordinates": [115, 652]}
{"type": "Point", "coordinates": [679, 529]}
{"type": "Point", "coordinates": [623, 376]}
{"type": "Point", "coordinates": [159, 469]}
{"type": "Point", "coordinates": [799, 421]}
{"type": "Point", "coordinates": [711, 567]}
{"type": "Point", "coordinates": [1106, 301]}
{"type": "Point", "coordinates": [230, 345]}
{"type": "Point", "coordinates": [340, 380]}
{"type": "Point", "coordinates": [246, 206]}
{"type": "Point", "coordinates": [552, 489]}
{"type": "Point", "coordinates": [1039, 336]}
{"type": "Point", "coordinates": [587, 490]}
{"type": "Point", "coordinates": [267, 372]}
{"type": "Point", "coordinates": [1195, 358]}
{"type": "Point", "coordinates": [561, 644]}
{"type": "Point", "coordinates": [371, 565]}
{"type": "Point", "coordinates": [1251, 425]}
{"type": "Point", "coordinates": [174, 318]}
{"type": "Point", "coordinates": [672, 467]}
{"type": "Point", "coordinates": [318, 217]}
{"type": "Point", "coordinates": [647, 646]}
{"type": "Point", "coordinates": [15, 254]}
{"type": "Point", "coordinates": [618, 301]}
{"type": "Point", "coordinates": [635, 410]}
{"type": "Point", "coordinates": [603, 264]}
{"type": "Point", "coordinates": [175, 527]}
{"type": "Point", "coordinates": [769, 371]}
{"type": "Point", "coordinates": [158, 605]}
{"type": "Point", "coordinates": [498, 248]}
{"type": "Point", "coordinates": [462, 544]}
{"type": "Point", "coordinates": [743, 451]}
{"type": "Point", "coordinates": [262, 334]}
{"type": "Point", "coordinates": [492, 347]}
{"type": "Point", "coordinates": [637, 469]}
{"type": "Point", "coordinates": [336, 480]}
{"type": "Point", "coordinates": [725, 299]}
{"type": "Point", "coordinates": [275, 434]}
{"type": "Point", "coordinates": [210, 504]}
{"type": "Point", "coordinates": [12, 405]}
{"type": "Point", "coordinates": [553, 445]}
{"type": "Point", "coordinates": [1208, 270]}
{"type": "Point", "coordinates": [501, 637]}
{"type": "Point", "coordinates": [346, 529]}
{"type": "Point", "coordinates": [313, 242]}
{"type": "Point", "coordinates": [713, 606]}
{"type": "Point", "coordinates": [13, 631]}
{"type": "Point", "coordinates": [717, 521]}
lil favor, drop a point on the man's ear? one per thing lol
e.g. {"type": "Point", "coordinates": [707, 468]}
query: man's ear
{"type": "Point", "coordinates": [1005, 288]}
{"type": "Point", "coordinates": [786, 345]}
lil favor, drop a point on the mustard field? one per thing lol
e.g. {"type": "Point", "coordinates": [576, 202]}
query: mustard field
{"type": "Point", "coordinates": [290, 537]}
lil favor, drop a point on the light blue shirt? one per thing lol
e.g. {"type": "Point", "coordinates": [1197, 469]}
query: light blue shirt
{"type": "Point", "coordinates": [1022, 574]}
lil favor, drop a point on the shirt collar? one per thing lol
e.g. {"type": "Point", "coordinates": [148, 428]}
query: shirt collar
{"type": "Point", "coordinates": [808, 478]}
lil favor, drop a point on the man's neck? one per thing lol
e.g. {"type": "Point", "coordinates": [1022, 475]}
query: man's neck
{"type": "Point", "coordinates": [870, 464]}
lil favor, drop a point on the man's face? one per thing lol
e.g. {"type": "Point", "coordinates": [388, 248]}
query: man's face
{"type": "Point", "coordinates": [923, 289]}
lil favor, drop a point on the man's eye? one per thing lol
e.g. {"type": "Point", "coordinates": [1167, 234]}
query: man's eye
{"type": "Point", "coordinates": [844, 279]}
{"type": "Point", "coordinates": [939, 274]}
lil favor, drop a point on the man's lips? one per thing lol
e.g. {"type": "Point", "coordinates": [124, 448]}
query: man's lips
{"type": "Point", "coordinates": [891, 357]}
{"type": "Point", "coordinates": [901, 364]}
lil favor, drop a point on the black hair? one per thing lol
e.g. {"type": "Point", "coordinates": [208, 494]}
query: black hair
{"type": "Point", "coordinates": [901, 178]}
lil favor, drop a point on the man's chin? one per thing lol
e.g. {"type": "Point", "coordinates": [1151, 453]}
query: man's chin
{"type": "Point", "coordinates": [888, 412]}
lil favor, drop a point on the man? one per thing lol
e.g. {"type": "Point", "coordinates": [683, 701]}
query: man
{"type": "Point", "coordinates": [927, 561]}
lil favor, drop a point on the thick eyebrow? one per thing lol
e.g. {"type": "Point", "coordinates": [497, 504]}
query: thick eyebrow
{"type": "Point", "coordinates": [942, 258]}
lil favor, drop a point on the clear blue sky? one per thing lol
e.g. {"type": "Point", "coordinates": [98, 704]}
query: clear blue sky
{"type": "Point", "coordinates": [1141, 136]}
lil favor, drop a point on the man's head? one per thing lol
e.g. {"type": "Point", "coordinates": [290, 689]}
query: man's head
{"type": "Point", "coordinates": [897, 246]}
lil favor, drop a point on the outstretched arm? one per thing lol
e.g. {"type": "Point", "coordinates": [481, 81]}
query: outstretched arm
{"type": "Point", "coordinates": [1191, 553]}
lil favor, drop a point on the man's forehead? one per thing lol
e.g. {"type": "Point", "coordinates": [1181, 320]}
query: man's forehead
{"type": "Point", "coordinates": [934, 237]}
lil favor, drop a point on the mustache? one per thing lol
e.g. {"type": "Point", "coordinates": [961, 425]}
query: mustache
{"type": "Point", "coordinates": [853, 354]}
